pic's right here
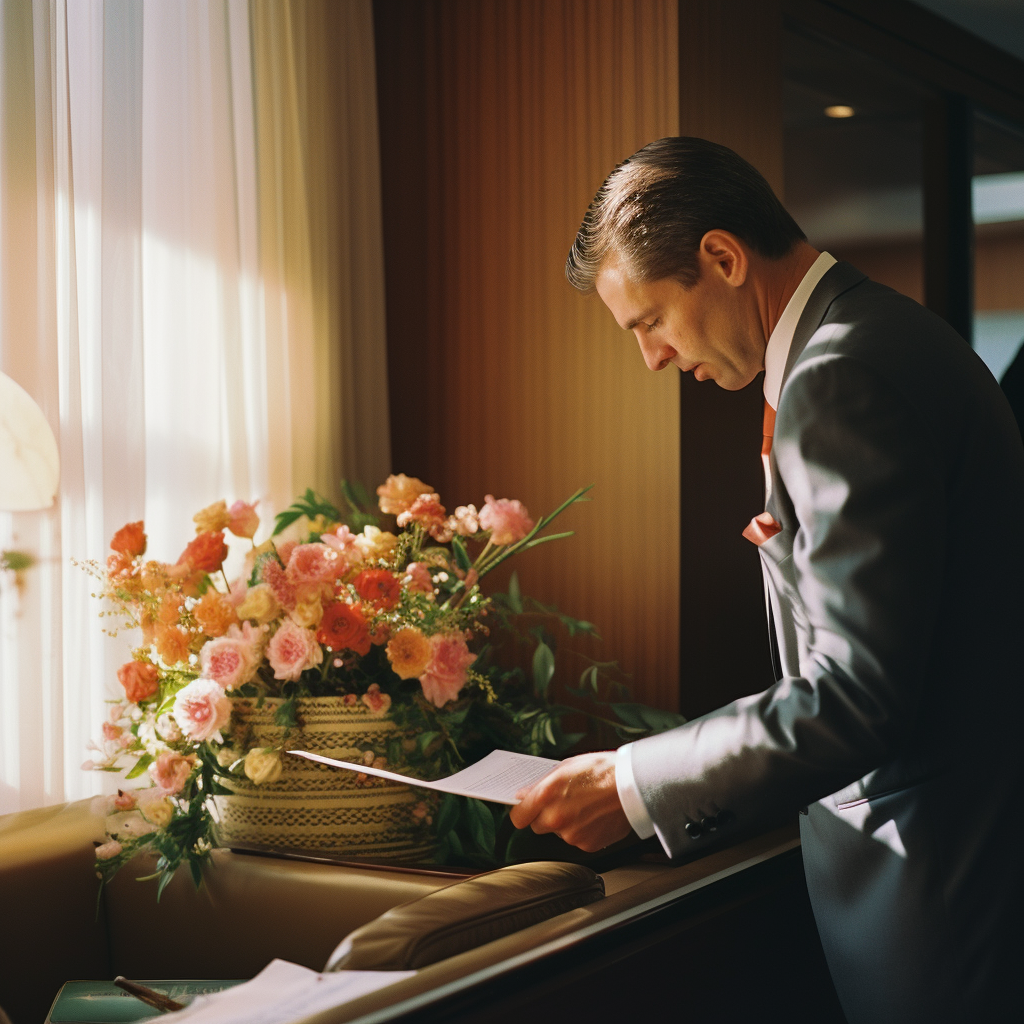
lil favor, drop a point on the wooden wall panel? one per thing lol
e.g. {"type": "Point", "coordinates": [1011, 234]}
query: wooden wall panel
{"type": "Point", "coordinates": [730, 91]}
{"type": "Point", "coordinates": [499, 120]}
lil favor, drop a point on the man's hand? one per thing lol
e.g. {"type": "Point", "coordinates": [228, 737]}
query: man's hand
{"type": "Point", "coordinates": [578, 801]}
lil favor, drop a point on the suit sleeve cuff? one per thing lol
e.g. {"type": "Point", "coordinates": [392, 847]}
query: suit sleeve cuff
{"type": "Point", "coordinates": [629, 796]}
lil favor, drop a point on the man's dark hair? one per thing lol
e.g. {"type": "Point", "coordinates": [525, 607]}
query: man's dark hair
{"type": "Point", "coordinates": [654, 208]}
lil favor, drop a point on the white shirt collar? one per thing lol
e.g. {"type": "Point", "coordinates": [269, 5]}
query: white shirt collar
{"type": "Point", "coordinates": [777, 352]}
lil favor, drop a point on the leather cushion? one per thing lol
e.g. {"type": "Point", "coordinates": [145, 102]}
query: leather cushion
{"type": "Point", "coordinates": [465, 915]}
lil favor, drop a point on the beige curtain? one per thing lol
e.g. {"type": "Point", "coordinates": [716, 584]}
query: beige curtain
{"type": "Point", "coordinates": [320, 241]}
{"type": "Point", "coordinates": [191, 287]}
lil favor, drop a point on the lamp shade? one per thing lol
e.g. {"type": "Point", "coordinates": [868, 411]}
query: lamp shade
{"type": "Point", "coordinates": [29, 461]}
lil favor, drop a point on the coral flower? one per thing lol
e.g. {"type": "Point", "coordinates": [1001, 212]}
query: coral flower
{"type": "Point", "coordinates": [273, 575]}
{"type": "Point", "coordinates": [428, 511]}
{"type": "Point", "coordinates": [507, 520]}
{"type": "Point", "coordinates": [344, 627]}
{"type": "Point", "coordinates": [242, 519]}
{"type": "Point", "coordinates": [377, 702]}
{"type": "Point", "coordinates": [214, 613]}
{"type": "Point", "coordinates": [130, 540]}
{"type": "Point", "coordinates": [409, 653]}
{"type": "Point", "coordinates": [418, 578]}
{"type": "Point", "coordinates": [378, 586]}
{"type": "Point", "coordinates": [397, 493]}
{"type": "Point", "coordinates": [292, 650]}
{"type": "Point", "coordinates": [140, 680]}
{"type": "Point", "coordinates": [202, 709]}
{"type": "Point", "coordinates": [446, 673]}
{"type": "Point", "coordinates": [205, 553]}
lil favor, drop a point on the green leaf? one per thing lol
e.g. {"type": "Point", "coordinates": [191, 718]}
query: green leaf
{"type": "Point", "coordinates": [481, 825]}
{"type": "Point", "coordinates": [165, 879]}
{"type": "Point", "coordinates": [515, 595]}
{"type": "Point", "coordinates": [461, 554]}
{"type": "Point", "coordinates": [424, 740]}
{"type": "Point", "coordinates": [543, 669]}
{"type": "Point", "coordinates": [197, 871]}
{"type": "Point", "coordinates": [447, 814]}
{"type": "Point", "coordinates": [140, 766]}
{"type": "Point", "coordinates": [285, 716]}
{"type": "Point", "coordinates": [652, 720]}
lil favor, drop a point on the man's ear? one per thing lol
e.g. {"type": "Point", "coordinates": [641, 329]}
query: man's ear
{"type": "Point", "coordinates": [723, 252]}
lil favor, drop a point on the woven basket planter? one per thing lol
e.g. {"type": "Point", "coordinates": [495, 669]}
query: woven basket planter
{"type": "Point", "coordinates": [313, 807]}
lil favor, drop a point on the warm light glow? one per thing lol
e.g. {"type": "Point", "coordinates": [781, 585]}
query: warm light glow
{"type": "Point", "coordinates": [839, 110]}
{"type": "Point", "coordinates": [29, 463]}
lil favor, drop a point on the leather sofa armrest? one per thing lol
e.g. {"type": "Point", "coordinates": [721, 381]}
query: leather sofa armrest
{"type": "Point", "coordinates": [467, 914]}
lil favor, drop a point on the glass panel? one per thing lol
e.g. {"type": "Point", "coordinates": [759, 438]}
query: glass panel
{"type": "Point", "coordinates": [853, 137]}
{"type": "Point", "coordinates": [998, 199]}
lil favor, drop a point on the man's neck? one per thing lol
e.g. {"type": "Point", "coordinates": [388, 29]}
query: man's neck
{"type": "Point", "coordinates": [777, 280]}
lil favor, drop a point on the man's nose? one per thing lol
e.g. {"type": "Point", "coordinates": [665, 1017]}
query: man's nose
{"type": "Point", "coordinates": [657, 355]}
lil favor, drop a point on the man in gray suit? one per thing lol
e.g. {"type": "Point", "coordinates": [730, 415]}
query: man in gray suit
{"type": "Point", "coordinates": [892, 545]}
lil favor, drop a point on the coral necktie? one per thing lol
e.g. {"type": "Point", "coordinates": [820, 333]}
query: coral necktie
{"type": "Point", "coordinates": [763, 527]}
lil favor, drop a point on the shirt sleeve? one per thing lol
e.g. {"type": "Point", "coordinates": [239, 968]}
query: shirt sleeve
{"type": "Point", "coordinates": [629, 795]}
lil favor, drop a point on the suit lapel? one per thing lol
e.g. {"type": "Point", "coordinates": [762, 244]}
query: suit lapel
{"type": "Point", "coordinates": [837, 279]}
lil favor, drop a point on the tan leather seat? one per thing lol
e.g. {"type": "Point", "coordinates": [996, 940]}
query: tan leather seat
{"type": "Point", "coordinates": [467, 914]}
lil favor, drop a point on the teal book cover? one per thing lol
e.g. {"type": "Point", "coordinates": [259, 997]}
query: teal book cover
{"type": "Point", "coordinates": [102, 1002]}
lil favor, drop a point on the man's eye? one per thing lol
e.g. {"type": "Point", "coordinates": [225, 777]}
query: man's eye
{"type": "Point", "coordinates": [654, 323]}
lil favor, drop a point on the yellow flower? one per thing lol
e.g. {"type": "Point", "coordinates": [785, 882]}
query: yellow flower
{"type": "Point", "coordinates": [157, 810]}
{"type": "Point", "coordinates": [409, 652]}
{"type": "Point", "coordinates": [308, 612]}
{"type": "Point", "coordinates": [259, 604]}
{"type": "Point", "coordinates": [212, 518]}
{"type": "Point", "coordinates": [263, 766]}
{"type": "Point", "coordinates": [374, 543]}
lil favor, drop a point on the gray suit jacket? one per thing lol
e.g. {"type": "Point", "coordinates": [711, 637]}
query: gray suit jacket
{"type": "Point", "coordinates": [897, 592]}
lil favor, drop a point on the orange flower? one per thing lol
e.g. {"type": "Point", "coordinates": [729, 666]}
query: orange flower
{"type": "Point", "coordinates": [119, 566]}
{"type": "Point", "coordinates": [171, 644]}
{"type": "Point", "coordinates": [378, 586]}
{"type": "Point", "coordinates": [428, 511]}
{"type": "Point", "coordinates": [130, 540]}
{"type": "Point", "coordinates": [170, 609]}
{"type": "Point", "coordinates": [214, 613]}
{"type": "Point", "coordinates": [206, 553]}
{"type": "Point", "coordinates": [397, 493]}
{"type": "Point", "coordinates": [344, 627]}
{"type": "Point", "coordinates": [139, 679]}
{"type": "Point", "coordinates": [154, 576]}
{"type": "Point", "coordinates": [409, 653]}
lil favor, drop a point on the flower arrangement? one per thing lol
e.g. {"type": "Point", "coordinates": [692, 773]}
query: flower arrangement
{"type": "Point", "coordinates": [332, 605]}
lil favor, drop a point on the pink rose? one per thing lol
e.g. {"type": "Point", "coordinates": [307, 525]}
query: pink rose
{"type": "Point", "coordinates": [343, 541]}
{"type": "Point", "coordinates": [292, 650]}
{"type": "Point", "coordinates": [446, 672]}
{"type": "Point", "coordinates": [202, 709]}
{"type": "Point", "coordinates": [232, 659]}
{"type": "Point", "coordinates": [242, 519]}
{"type": "Point", "coordinates": [170, 771]}
{"type": "Point", "coordinates": [313, 563]}
{"type": "Point", "coordinates": [507, 520]}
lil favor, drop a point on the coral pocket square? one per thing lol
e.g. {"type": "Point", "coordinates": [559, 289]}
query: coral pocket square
{"type": "Point", "coordinates": [761, 528]}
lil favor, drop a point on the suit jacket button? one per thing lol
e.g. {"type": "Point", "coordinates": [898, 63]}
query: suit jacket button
{"type": "Point", "coordinates": [692, 829]}
{"type": "Point", "coordinates": [709, 824]}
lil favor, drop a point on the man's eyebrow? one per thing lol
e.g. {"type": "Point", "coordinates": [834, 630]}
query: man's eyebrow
{"type": "Point", "coordinates": [639, 319]}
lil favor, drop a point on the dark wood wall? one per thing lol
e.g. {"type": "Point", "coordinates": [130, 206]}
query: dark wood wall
{"type": "Point", "coordinates": [499, 120]}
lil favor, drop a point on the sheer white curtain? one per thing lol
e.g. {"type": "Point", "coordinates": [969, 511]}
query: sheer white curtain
{"type": "Point", "coordinates": [148, 304]}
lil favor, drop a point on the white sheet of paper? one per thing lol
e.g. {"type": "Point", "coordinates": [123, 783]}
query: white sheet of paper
{"type": "Point", "coordinates": [497, 777]}
{"type": "Point", "coordinates": [283, 992]}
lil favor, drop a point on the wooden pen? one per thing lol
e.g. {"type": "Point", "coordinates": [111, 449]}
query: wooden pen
{"type": "Point", "coordinates": [151, 998]}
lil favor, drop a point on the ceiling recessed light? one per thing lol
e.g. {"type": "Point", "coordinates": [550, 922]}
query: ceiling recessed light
{"type": "Point", "coordinates": [839, 110]}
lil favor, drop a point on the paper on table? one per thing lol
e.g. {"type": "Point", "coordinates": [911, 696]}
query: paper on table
{"type": "Point", "coordinates": [497, 777]}
{"type": "Point", "coordinates": [283, 992]}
